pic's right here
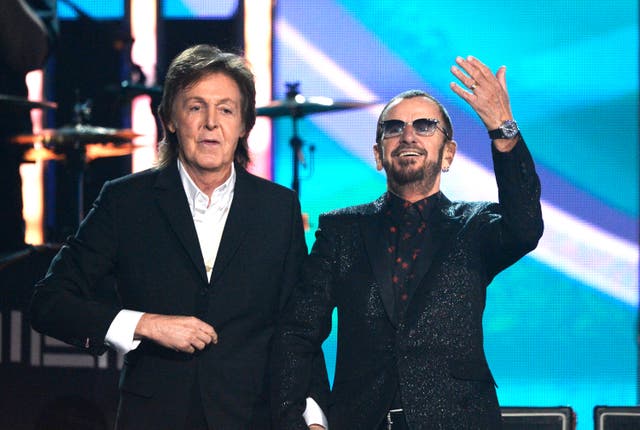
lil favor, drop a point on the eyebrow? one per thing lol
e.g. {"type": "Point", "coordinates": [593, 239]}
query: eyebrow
{"type": "Point", "coordinates": [219, 102]}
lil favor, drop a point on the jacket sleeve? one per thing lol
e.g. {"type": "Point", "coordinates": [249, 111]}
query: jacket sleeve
{"type": "Point", "coordinates": [298, 362]}
{"type": "Point", "coordinates": [516, 222]}
{"type": "Point", "coordinates": [76, 300]}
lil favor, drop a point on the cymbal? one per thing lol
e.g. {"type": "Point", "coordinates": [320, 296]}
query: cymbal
{"type": "Point", "coordinates": [110, 150]}
{"type": "Point", "coordinates": [301, 106]}
{"type": "Point", "coordinates": [78, 134]}
{"type": "Point", "coordinates": [12, 102]}
{"type": "Point", "coordinates": [130, 90]}
{"type": "Point", "coordinates": [93, 151]}
{"type": "Point", "coordinates": [41, 154]}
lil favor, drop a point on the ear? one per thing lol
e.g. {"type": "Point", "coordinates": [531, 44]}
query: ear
{"type": "Point", "coordinates": [171, 127]}
{"type": "Point", "coordinates": [377, 153]}
{"type": "Point", "coordinates": [449, 153]}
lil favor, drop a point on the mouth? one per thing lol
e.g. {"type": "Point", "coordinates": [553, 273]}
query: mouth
{"type": "Point", "coordinates": [408, 152]}
{"type": "Point", "coordinates": [209, 142]}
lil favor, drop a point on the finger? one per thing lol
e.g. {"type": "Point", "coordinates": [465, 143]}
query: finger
{"type": "Point", "coordinates": [185, 347]}
{"type": "Point", "coordinates": [199, 344]}
{"type": "Point", "coordinates": [467, 77]}
{"type": "Point", "coordinates": [501, 74]}
{"type": "Point", "coordinates": [475, 69]}
{"type": "Point", "coordinates": [467, 65]}
{"type": "Point", "coordinates": [480, 70]}
{"type": "Point", "coordinates": [209, 332]}
{"type": "Point", "coordinates": [462, 77]}
{"type": "Point", "coordinates": [477, 65]}
{"type": "Point", "coordinates": [206, 337]}
{"type": "Point", "coordinates": [467, 96]}
{"type": "Point", "coordinates": [203, 327]}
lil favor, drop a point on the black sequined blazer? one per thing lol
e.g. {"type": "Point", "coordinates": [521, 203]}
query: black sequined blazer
{"type": "Point", "coordinates": [435, 352]}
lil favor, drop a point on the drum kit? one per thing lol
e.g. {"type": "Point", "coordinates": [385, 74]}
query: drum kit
{"type": "Point", "coordinates": [80, 143]}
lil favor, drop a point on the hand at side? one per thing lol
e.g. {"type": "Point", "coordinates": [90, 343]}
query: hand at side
{"type": "Point", "coordinates": [180, 333]}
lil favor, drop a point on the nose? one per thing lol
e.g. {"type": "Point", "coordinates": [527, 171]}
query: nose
{"type": "Point", "coordinates": [408, 132]}
{"type": "Point", "coordinates": [211, 119]}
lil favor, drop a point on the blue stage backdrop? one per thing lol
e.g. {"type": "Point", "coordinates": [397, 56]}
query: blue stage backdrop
{"type": "Point", "coordinates": [561, 324]}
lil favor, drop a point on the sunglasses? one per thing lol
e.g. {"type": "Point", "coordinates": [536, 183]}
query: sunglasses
{"type": "Point", "coordinates": [421, 126]}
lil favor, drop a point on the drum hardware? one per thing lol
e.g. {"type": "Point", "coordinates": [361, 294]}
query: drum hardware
{"type": "Point", "coordinates": [129, 90]}
{"type": "Point", "coordinates": [297, 106]}
{"type": "Point", "coordinates": [8, 102]}
{"type": "Point", "coordinates": [76, 145]}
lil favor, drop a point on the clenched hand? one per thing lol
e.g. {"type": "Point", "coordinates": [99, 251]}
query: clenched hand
{"type": "Point", "coordinates": [180, 333]}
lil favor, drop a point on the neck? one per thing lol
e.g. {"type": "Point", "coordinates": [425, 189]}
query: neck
{"type": "Point", "coordinates": [414, 191]}
{"type": "Point", "coordinates": [207, 181]}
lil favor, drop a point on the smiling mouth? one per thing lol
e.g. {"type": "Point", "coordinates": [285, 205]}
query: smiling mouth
{"type": "Point", "coordinates": [408, 152]}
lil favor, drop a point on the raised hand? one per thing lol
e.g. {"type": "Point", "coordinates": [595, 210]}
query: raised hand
{"type": "Point", "coordinates": [485, 92]}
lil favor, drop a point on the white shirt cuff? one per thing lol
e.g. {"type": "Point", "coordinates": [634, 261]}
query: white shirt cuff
{"type": "Point", "coordinates": [121, 331]}
{"type": "Point", "coordinates": [313, 414]}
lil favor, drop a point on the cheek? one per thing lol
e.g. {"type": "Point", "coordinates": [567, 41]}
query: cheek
{"type": "Point", "coordinates": [191, 125]}
{"type": "Point", "coordinates": [387, 154]}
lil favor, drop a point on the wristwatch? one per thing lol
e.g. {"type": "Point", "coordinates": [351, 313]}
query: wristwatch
{"type": "Point", "coordinates": [507, 130]}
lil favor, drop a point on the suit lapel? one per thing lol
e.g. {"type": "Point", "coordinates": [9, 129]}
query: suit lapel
{"type": "Point", "coordinates": [173, 203]}
{"type": "Point", "coordinates": [373, 232]}
{"type": "Point", "coordinates": [235, 228]}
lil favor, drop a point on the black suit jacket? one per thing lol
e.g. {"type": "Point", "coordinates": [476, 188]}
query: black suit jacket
{"type": "Point", "coordinates": [140, 229]}
{"type": "Point", "coordinates": [434, 353]}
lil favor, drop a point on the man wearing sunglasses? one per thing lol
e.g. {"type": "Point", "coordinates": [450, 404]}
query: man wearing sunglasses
{"type": "Point", "coordinates": [408, 274]}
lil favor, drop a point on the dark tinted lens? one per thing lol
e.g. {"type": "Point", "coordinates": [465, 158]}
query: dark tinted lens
{"type": "Point", "coordinates": [424, 126]}
{"type": "Point", "coordinates": [392, 127]}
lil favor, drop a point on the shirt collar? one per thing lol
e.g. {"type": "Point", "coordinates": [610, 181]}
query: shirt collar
{"type": "Point", "coordinates": [195, 195]}
{"type": "Point", "coordinates": [396, 205]}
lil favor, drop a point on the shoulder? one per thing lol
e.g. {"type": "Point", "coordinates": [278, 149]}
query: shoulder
{"type": "Point", "coordinates": [353, 213]}
{"type": "Point", "coordinates": [247, 180]}
{"type": "Point", "coordinates": [142, 179]}
{"type": "Point", "coordinates": [465, 212]}
{"type": "Point", "coordinates": [264, 195]}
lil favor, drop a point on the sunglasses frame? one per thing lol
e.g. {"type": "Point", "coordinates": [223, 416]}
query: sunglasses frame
{"type": "Point", "coordinates": [433, 121]}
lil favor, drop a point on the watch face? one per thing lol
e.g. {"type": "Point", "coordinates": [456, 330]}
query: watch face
{"type": "Point", "coordinates": [509, 128]}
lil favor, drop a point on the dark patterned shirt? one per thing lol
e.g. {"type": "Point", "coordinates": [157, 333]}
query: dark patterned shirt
{"type": "Point", "coordinates": [407, 224]}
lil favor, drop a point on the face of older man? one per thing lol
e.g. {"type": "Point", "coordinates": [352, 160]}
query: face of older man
{"type": "Point", "coordinates": [412, 159]}
{"type": "Point", "coordinates": [207, 120]}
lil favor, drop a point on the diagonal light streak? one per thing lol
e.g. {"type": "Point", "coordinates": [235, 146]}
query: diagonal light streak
{"type": "Point", "coordinates": [316, 59]}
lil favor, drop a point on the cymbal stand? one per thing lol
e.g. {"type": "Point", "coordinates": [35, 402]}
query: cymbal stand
{"type": "Point", "coordinates": [75, 163]}
{"type": "Point", "coordinates": [73, 175]}
{"type": "Point", "coordinates": [295, 142]}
